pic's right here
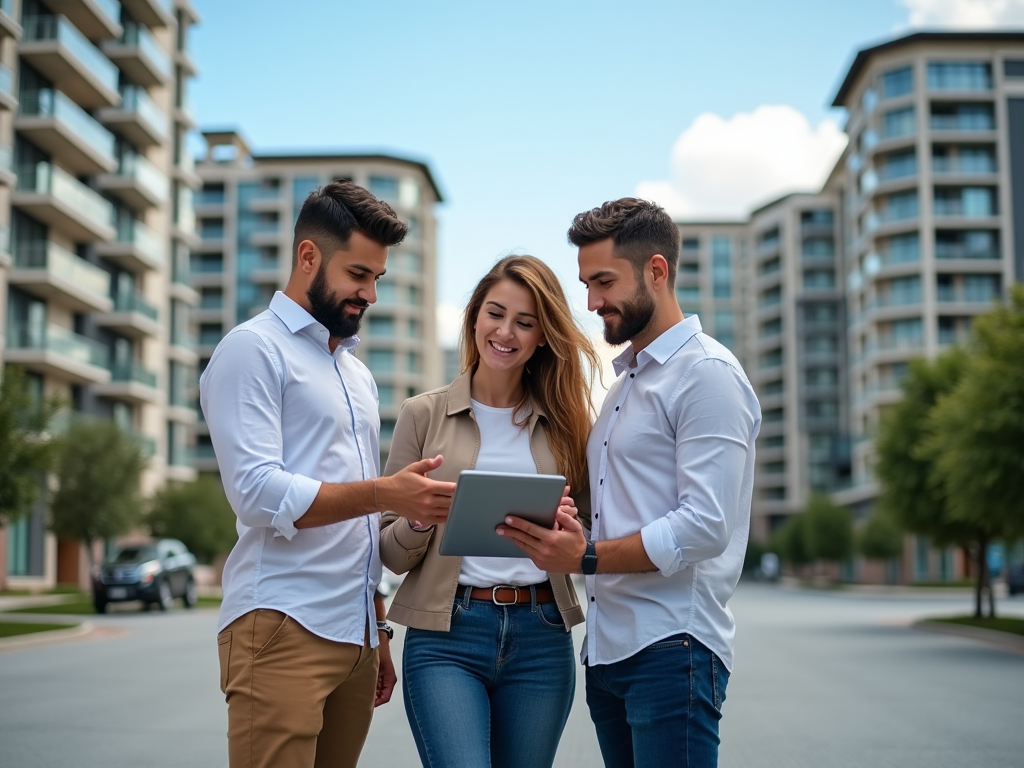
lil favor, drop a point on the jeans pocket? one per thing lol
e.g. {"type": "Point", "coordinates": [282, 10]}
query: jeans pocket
{"type": "Point", "coordinates": [457, 611]}
{"type": "Point", "coordinates": [264, 626]}
{"type": "Point", "coordinates": [719, 677]}
{"type": "Point", "coordinates": [675, 641]}
{"type": "Point", "coordinates": [549, 615]}
{"type": "Point", "coordinates": [224, 656]}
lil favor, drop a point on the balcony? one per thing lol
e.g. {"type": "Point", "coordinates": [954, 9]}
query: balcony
{"type": "Point", "coordinates": [9, 27]}
{"type": "Point", "coordinates": [137, 118]}
{"type": "Point", "coordinates": [136, 247]}
{"type": "Point", "coordinates": [137, 182]}
{"type": "Point", "coordinates": [152, 13]}
{"type": "Point", "coordinates": [139, 56]}
{"type": "Point", "coordinates": [131, 316]}
{"type": "Point", "coordinates": [54, 123]}
{"type": "Point", "coordinates": [965, 165]}
{"type": "Point", "coordinates": [8, 96]}
{"type": "Point", "coordinates": [55, 197]}
{"type": "Point", "coordinates": [55, 351]}
{"type": "Point", "coordinates": [55, 47]}
{"type": "Point", "coordinates": [48, 271]}
{"type": "Point", "coordinates": [982, 295]}
{"type": "Point", "coordinates": [965, 119]}
{"type": "Point", "coordinates": [7, 175]}
{"type": "Point", "coordinates": [96, 19]}
{"type": "Point", "coordinates": [130, 382]}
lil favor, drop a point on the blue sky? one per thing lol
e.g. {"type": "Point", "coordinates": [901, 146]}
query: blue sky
{"type": "Point", "coordinates": [527, 112]}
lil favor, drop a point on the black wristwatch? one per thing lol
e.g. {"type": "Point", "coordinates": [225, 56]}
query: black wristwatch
{"type": "Point", "coordinates": [589, 565]}
{"type": "Point", "coordinates": [387, 629]}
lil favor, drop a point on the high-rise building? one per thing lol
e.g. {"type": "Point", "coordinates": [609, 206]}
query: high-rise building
{"type": "Point", "coordinates": [95, 207]}
{"type": "Point", "coordinates": [246, 211]}
{"type": "Point", "coordinates": [919, 227]}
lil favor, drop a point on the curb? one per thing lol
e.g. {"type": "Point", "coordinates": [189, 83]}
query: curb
{"type": "Point", "coordinates": [1004, 640]}
{"type": "Point", "coordinates": [48, 637]}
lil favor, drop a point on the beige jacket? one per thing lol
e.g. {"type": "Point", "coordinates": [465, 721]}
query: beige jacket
{"type": "Point", "coordinates": [442, 422]}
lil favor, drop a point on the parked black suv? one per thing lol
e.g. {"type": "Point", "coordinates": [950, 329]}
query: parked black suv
{"type": "Point", "coordinates": [154, 572]}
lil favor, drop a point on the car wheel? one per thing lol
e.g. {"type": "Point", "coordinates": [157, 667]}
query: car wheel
{"type": "Point", "coordinates": [166, 597]}
{"type": "Point", "coordinates": [190, 598]}
{"type": "Point", "coordinates": [100, 605]}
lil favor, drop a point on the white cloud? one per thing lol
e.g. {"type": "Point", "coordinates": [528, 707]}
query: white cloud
{"type": "Point", "coordinates": [722, 167]}
{"type": "Point", "coordinates": [966, 14]}
{"type": "Point", "coordinates": [449, 323]}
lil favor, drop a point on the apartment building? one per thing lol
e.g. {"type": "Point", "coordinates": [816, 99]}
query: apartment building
{"type": "Point", "coordinates": [246, 211]}
{"type": "Point", "coordinates": [96, 193]}
{"type": "Point", "coordinates": [919, 227]}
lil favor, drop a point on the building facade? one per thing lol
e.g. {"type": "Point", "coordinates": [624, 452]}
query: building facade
{"type": "Point", "coordinates": [919, 227]}
{"type": "Point", "coordinates": [246, 211]}
{"type": "Point", "coordinates": [96, 226]}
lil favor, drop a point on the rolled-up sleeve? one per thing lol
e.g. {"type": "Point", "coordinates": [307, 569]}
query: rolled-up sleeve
{"type": "Point", "coordinates": [716, 417]}
{"type": "Point", "coordinates": [240, 394]}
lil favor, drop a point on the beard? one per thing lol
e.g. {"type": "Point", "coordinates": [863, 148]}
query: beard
{"type": "Point", "coordinates": [331, 313]}
{"type": "Point", "coordinates": [635, 315]}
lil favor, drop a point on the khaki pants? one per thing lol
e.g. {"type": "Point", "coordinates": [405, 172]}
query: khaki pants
{"type": "Point", "coordinates": [295, 700]}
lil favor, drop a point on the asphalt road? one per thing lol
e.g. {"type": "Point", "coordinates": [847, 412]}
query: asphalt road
{"type": "Point", "coordinates": [822, 680]}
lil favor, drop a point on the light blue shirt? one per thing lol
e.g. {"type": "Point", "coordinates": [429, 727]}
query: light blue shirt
{"type": "Point", "coordinates": [285, 415]}
{"type": "Point", "coordinates": [672, 456]}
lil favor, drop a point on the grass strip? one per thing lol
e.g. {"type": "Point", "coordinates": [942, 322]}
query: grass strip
{"type": "Point", "coordinates": [12, 629]}
{"type": "Point", "coordinates": [1008, 624]}
{"type": "Point", "coordinates": [75, 608]}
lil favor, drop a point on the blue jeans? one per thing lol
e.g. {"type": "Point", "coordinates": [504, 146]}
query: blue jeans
{"type": "Point", "coordinates": [660, 707]}
{"type": "Point", "coordinates": [493, 691]}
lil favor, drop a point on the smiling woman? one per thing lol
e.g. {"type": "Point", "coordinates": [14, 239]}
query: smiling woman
{"type": "Point", "coordinates": [521, 405]}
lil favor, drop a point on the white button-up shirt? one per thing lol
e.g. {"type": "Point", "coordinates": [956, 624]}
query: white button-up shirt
{"type": "Point", "coordinates": [285, 415]}
{"type": "Point", "coordinates": [672, 456]}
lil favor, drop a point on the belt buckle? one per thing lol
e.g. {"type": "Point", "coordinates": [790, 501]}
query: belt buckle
{"type": "Point", "coordinates": [494, 594]}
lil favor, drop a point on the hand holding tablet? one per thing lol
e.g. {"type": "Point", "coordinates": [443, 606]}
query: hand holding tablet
{"type": "Point", "coordinates": [483, 500]}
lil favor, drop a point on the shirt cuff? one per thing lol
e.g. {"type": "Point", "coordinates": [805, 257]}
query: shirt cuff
{"type": "Point", "coordinates": [297, 500]}
{"type": "Point", "coordinates": [660, 546]}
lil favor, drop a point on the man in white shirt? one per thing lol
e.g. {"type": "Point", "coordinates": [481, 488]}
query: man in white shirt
{"type": "Point", "coordinates": [671, 462]}
{"type": "Point", "coordinates": [293, 418]}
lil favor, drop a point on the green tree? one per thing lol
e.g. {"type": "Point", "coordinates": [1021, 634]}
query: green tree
{"type": "Point", "coordinates": [791, 540]}
{"type": "Point", "coordinates": [196, 513]}
{"type": "Point", "coordinates": [828, 529]}
{"type": "Point", "coordinates": [880, 538]}
{"type": "Point", "coordinates": [26, 451]}
{"type": "Point", "coordinates": [909, 494]}
{"type": "Point", "coordinates": [976, 436]}
{"type": "Point", "coordinates": [98, 483]}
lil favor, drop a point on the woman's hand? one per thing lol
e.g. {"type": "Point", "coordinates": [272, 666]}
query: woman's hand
{"type": "Point", "coordinates": [566, 506]}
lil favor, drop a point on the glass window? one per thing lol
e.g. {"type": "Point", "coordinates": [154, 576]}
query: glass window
{"type": "Point", "coordinates": [387, 292]}
{"type": "Point", "coordinates": [819, 247]}
{"type": "Point", "coordinates": [381, 361]}
{"type": "Point", "coordinates": [725, 321]}
{"type": "Point", "coordinates": [900, 249]}
{"type": "Point", "coordinates": [898, 122]}
{"type": "Point", "coordinates": [902, 205]}
{"type": "Point", "coordinates": [408, 193]}
{"type": "Point", "coordinates": [897, 82]}
{"type": "Point", "coordinates": [412, 362]}
{"type": "Point", "coordinates": [301, 187]}
{"type": "Point", "coordinates": [819, 278]}
{"type": "Point", "coordinates": [721, 247]}
{"type": "Point", "coordinates": [382, 326]}
{"type": "Point", "coordinates": [384, 187]}
{"type": "Point", "coordinates": [415, 328]}
{"type": "Point", "coordinates": [959, 76]}
{"type": "Point", "coordinates": [898, 165]}
{"type": "Point", "coordinates": [691, 244]}
{"type": "Point", "coordinates": [962, 117]}
{"type": "Point", "coordinates": [387, 427]}
{"type": "Point", "coordinates": [1013, 68]}
{"type": "Point", "coordinates": [386, 394]}
{"type": "Point", "coordinates": [687, 293]}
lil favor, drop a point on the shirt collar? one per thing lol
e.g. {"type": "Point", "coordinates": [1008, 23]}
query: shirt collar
{"type": "Point", "coordinates": [297, 320]}
{"type": "Point", "coordinates": [662, 348]}
{"type": "Point", "coordinates": [459, 398]}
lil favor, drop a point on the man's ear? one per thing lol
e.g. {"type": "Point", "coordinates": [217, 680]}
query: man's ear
{"type": "Point", "coordinates": [659, 271]}
{"type": "Point", "coordinates": [308, 257]}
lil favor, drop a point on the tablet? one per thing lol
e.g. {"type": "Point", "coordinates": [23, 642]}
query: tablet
{"type": "Point", "coordinates": [481, 502]}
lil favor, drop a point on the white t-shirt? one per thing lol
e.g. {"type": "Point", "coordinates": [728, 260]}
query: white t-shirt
{"type": "Point", "coordinates": [504, 447]}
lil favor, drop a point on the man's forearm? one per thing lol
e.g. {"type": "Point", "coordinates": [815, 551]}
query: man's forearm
{"type": "Point", "coordinates": [623, 556]}
{"type": "Point", "coordinates": [340, 501]}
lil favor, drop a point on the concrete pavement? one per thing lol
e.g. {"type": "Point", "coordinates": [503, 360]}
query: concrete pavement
{"type": "Point", "coordinates": [822, 679]}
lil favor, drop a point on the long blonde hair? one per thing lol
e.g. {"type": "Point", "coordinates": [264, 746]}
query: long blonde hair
{"type": "Point", "coordinates": [559, 375]}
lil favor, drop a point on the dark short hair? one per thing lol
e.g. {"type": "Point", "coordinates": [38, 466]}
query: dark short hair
{"type": "Point", "coordinates": [333, 212]}
{"type": "Point", "coordinates": [638, 228]}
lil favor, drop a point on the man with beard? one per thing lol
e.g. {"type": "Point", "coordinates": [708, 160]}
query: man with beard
{"type": "Point", "coordinates": [304, 655]}
{"type": "Point", "coordinates": [671, 461]}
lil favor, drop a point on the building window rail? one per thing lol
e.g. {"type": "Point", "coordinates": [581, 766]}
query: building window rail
{"type": "Point", "coordinates": [132, 372]}
{"type": "Point", "coordinates": [42, 254]}
{"type": "Point", "coordinates": [134, 98]}
{"type": "Point", "coordinates": [959, 76]}
{"type": "Point", "coordinates": [47, 27]}
{"type": "Point", "coordinates": [47, 102]}
{"type": "Point", "coordinates": [133, 301]}
{"type": "Point", "coordinates": [136, 35]}
{"type": "Point", "coordinates": [44, 178]}
{"type": "Point", "coordinates": [60, 341]}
